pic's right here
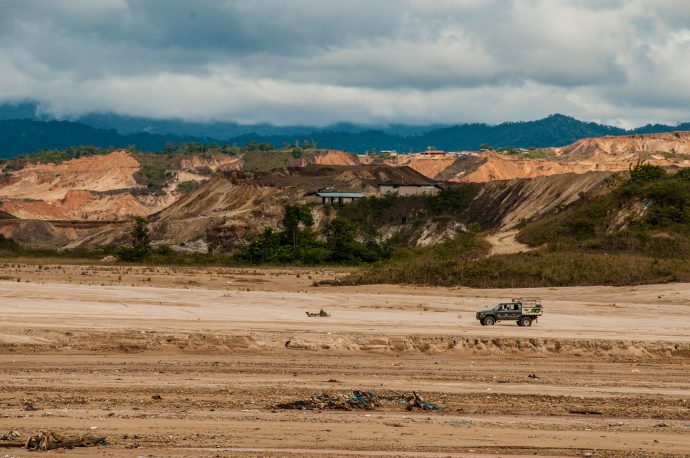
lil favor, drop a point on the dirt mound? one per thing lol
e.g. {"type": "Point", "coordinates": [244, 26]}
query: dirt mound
{"type": "Point", "coordinates": [429, 166]}
{"type": "Point", "coordinates": [222, 210]}
{"type": "Point", "coordinates": [335, 157]}
{"type": "Point", "coordinates": [628, 148]}
{"type": "Point", "coordinates": [204, 343]}
{"type": "Point", "coordinates": [56, 234]}
{"type": "Point", "coordinates": [503, 167]}
{"type": "Point", "coordinates": [214, 162]}
{"type": "Point", "coordinates": [103, 187]}
{"type": "Point", "coordinates": [514, 201]}
{"type": "Point", "coordinates": [90, 188]}
{"type": "Point", "coordinates": [361, 178]}
{"type": "Point", "coordinates": [78, 205]}
{"type": "Point", "coordinates": [606, 154]}
{"type": "Point", "coordinates": [226, 209]}
{"type": "Point", "coordinates": [104, 173]}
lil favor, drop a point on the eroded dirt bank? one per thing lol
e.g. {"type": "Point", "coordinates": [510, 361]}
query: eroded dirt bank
{"type": "Point", "coordinates": [201, 369]}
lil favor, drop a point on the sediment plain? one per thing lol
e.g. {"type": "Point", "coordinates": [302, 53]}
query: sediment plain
{"type": "Point", "coordinates": [199, 362]}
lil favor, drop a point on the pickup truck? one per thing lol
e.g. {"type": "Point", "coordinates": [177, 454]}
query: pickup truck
{"type": "Point", "coordinates": [521, 310]}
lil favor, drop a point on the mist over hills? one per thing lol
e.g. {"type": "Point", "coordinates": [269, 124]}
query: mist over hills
{"type": "Point", "coordinates": [24, 129]}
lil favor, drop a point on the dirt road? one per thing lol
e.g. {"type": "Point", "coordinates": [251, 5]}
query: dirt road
{"type": "Point", "coordinates": [210, 369]}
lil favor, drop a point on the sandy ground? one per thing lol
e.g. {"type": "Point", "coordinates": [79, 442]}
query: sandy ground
{"type": "Point", "coordinates": [197, 362]}
{"type": "Point", "coordinates": [505, 242]}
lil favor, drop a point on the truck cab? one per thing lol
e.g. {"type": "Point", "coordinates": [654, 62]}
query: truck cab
{"type": "Point", "coordinates": [523, 311]}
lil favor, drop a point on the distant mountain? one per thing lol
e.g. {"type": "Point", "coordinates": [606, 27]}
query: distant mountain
{"type": "Point", "coordinates": [223, 130]}
{"type": "Point", "coordinates": [21, 136]}
{"type": "Point", "coordinates": [554, 130]}
{"type": "Point", "coordinates": [24, 129]}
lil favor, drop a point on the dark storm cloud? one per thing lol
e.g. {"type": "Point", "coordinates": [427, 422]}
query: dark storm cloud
{"type": "Point", "coordinates": [311, 61]}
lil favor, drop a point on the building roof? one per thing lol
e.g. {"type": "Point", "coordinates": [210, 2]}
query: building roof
{"type": "Point", "coordinates": [348, 195]}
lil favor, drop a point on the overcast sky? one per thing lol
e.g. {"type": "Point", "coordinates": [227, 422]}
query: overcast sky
{"type": "Point", "coordinates": [364, 61]}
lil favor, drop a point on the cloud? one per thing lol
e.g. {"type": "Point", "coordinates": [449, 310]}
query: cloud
{"type": "Point", "coordinates": [314, 62]}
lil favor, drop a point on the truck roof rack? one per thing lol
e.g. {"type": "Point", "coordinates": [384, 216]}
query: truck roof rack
{"type": "Point", "coordinates": [527, 300]}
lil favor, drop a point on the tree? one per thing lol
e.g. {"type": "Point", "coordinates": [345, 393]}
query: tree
{"type": "Point", "coordinates": [642, 172]}
{"type": "Point", "coordinates": [297, 222]}
{"type": "Point", "coordinates": [340, 239]}
{"type": "Point", "coordinates": [264, 248]}
{"type": "Point", "coordinates": [141, 242]}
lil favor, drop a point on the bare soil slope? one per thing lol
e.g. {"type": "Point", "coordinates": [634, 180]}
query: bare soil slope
{"type": "Point", "coordinates": [114, 186]}
{"type": "Point", "coordinates": [612, 154]}
{"type": "Point", "coordinates": [630, 146]}
{"type": "Point", "coordinates": [222, 211]}
{"type": "Point", "coordinates": [110, 172]}
{"type": "Point", "coordinates": [504, 204]}
{"type": "Point", "coordinates": [90, 188]}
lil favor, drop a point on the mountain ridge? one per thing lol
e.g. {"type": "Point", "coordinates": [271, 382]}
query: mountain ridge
{"type": "Point", "coordinates": [24, 130]}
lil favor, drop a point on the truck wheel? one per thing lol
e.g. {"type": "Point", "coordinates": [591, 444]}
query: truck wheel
{"type": "Point", "coordinates": [525, 321]}
{"type": "Point", "coordinates": [519, 323]}
{"type": "Point", "coordinates": [489, 321]}
{"type": "Point", "coordinates": [482, 322]}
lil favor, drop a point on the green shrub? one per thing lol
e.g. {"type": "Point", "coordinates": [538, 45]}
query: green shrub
{"type": "Point", "coordinates": [646, 172]}
{"type": "Point", "coordinates": [187, 187]}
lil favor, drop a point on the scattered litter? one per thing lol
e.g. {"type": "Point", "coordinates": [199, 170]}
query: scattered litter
{"type": "Point", "coordinates": [532, 376]}
{"type": "Point", "coordinates": [13, 439]}
{"type": "Point", "coordinates": [319, 402]}
{"type": "Point", "coordinates": [51, 441]}
{"type": "Point", "coordinates": [332, 380]}
{"type": "Point", "coordinates": [360, 400]}
{"type": "Point", "coordinates": [156, 397]}
{"type": "Point", "coordinates": [417, 401]}
{"type": "Point", "coordinates": [662, 425]}
{"type": "Point", "coordinates": [29, 406]}
{"type": "Point", "coordinates": [322, 314]}
{"type": "Point", "coordinates": [12, 435]}
{"type": "Point", "coordinates": [363, 400]}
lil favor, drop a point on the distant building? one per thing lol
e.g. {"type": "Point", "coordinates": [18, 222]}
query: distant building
{"type": "Point", "coordinates": [408, 189]}
{"type": "Point", "coordinates": [433, 152]}
{"type": "Point", "coordinates": [332, 197]}
{"type": "Point", "coordinates": [463, 153]}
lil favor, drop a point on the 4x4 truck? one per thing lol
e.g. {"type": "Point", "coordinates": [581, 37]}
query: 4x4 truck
{"type": "Point", "coordinates": [521, 310]}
